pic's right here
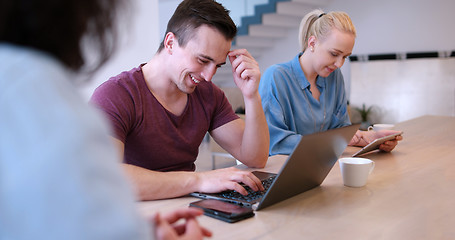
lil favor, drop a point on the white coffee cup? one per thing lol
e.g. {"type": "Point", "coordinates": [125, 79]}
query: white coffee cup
{"type": "Point", "coordinates": [355, 171]}
{"type": "Point", "coordinates": [381, 126]}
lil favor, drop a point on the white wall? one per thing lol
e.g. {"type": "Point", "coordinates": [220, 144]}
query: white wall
{"type": "Point", "coordinates": [166, 8]}
{"type": "Point", "coordinates": [401, 26]}
{"type": "Point", "coordinates": [400, 90]}
{"type": "Point", "coordinates": [139, 42]}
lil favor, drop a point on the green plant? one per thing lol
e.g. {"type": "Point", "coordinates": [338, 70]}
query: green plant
{"type": "Point", "coordinates": [364, 112]}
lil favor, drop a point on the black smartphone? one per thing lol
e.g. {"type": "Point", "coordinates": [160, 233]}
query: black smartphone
{"type": "Point", "coordinates": [224, 211]}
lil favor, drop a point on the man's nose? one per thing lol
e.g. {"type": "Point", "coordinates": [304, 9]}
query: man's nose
{"type": "Point", "coordinates": [208, 73]}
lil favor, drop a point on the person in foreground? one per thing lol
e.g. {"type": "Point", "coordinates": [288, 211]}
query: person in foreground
{"type": "Point", "coordinates": [59, 171]}
{"type": "Point", "coordinates": [307, 95]}
{"type": "Point", "coordinates": [162, 110]}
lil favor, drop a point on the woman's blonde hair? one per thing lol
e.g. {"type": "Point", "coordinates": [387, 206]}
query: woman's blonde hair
{"type": "Point", "coordinates": [319, 24]}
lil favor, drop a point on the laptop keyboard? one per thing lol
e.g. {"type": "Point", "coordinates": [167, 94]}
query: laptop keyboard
{"type": "Point", "coordinates": [252, 195]}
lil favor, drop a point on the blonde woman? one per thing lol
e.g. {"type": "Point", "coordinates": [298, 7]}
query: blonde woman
{"type": "Point", "coordinates": [307, 94]}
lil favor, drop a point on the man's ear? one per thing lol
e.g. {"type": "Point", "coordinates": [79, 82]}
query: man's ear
{"type": "Point", "coordinates": [169, 41]}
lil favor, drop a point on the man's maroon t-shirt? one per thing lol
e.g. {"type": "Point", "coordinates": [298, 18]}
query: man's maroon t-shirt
{"type": "Point", "coordinates": [155, 138]}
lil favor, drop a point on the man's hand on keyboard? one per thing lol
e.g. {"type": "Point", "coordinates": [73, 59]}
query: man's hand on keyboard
{"type": "Point", "coordinates": [227, 179]}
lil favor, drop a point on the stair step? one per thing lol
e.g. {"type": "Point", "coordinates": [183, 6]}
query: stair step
{"type": "Point", "coordinates": [225, 69]}
{"type": "Point", "coordinates": [280, 20]}
{"type": "Point", "coordinates": [256, 52]}
{"type": "Point", "coordinates": [293, 9]}
{"type": "Point", "coordinates": [267, 31]}
{"type": "Point", "coordinates": [223, 82]}
{"type": "Point", "coordinates": [252, 41]}
{"type": "Point", "coordinates": [223, 74]}
{"type": "Point", "coordinates": [316, 3]}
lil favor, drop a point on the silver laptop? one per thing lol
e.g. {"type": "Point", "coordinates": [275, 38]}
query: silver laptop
{"type": "Point", "coordinates": [306, 168]}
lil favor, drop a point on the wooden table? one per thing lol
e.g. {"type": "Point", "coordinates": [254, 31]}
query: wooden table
{"type": "Point", "coordinates": [409, 195]}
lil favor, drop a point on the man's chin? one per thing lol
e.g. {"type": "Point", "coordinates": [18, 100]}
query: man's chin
{"type": "Point", "coordinates": [188, 89]}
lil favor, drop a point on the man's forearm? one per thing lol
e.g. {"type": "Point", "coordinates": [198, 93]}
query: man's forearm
{"type": "Point", "coordinates": [256, 139]}
{"type": "Point", "coordinates": [152, 185]}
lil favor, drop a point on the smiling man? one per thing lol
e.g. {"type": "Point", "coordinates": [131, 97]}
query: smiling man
{"type": "Point", "coordinates": [161, 110]}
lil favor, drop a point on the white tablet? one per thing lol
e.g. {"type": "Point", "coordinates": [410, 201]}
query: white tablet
{"type": "Point", "coordinates": [375, 144]}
